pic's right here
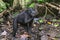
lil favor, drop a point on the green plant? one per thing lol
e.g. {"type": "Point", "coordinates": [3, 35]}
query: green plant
{"type": "Point", "coordinates": [2, 6]}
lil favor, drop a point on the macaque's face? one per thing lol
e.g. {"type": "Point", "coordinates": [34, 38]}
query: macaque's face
{"type": "Point", "coordinates": [33, 12]}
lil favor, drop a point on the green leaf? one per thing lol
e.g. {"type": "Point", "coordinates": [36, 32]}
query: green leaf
{"type": "Point", "coordinates": [40, 28]}
{"type": "Point", "coordinates": [2, 6]}
{"type": "Point", "coordinates": [32, 5]}
{"type": "Point", "coordinates": [41, 20]}
{"type": "Point", "coordinates": [54, 20]}
{"type": "Point", "coordinates": [40, 1]}
{"type": "Point", "coordinates": [56, 24]}
{"type": "Point", "coordinates": [1, 19]}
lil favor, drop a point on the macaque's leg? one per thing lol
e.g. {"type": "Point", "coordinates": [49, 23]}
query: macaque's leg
{"type": "Point", "coordinates": [30, 26]}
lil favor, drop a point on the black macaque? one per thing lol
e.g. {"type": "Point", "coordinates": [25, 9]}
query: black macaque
{"type": "Point", "coordinates": [25, 18]}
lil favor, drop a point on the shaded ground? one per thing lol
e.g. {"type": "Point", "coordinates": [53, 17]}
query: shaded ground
{"type": "Point", "coordinates": [43, 31]}
{"type": "Point", "coordinates": [47, 32]}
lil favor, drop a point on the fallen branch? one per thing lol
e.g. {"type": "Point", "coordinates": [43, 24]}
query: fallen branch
{"type": "Point", "coordinates": [1, 14]}
{"type": "Point", "coordinates": [5, 11]}
{"type": "Point", "coordinates": [53, 6]}
{"type": "Point", "coordinates": [51, 12]}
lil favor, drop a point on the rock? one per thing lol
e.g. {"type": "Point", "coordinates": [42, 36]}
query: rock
{"type": "Point", "coordinates": [3, 39]}
{"type": "Point", "coordinates": [44, 37]}
{"type": "Point", "coordinates": [4, 33]}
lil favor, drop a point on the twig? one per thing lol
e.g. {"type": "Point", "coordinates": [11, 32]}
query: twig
{"type": "Point", "coordinates": [51, 12]}
{"type": "Point", "coordinates": [45, 13]}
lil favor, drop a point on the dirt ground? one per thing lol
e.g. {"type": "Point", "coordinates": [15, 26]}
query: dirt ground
{"type": "Point", "coordinates": [48, 32]}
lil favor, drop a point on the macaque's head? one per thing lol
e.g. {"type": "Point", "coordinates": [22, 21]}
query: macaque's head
{"type": "Point", "coordinates": [32, 12]}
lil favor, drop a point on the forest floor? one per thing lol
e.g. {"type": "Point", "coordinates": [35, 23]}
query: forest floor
{"type": "Point", "coordinates": [49, 32]}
